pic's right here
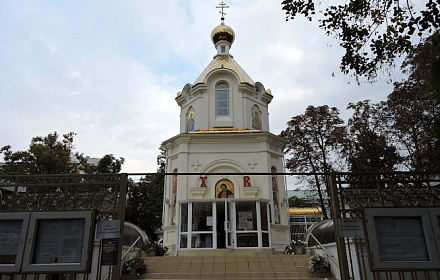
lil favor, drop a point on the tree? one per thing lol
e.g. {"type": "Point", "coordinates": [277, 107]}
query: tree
{"type": "Point", "coordinates": [413, 107]}
{"type": "Point", "coordinates": [314, 142]}
{"type": "Point", "coordinates": [295, 201]}
{"type": "Point", "coordinates": [423, 67]}
{"type": "Point", "coordinates": [145, 200]}
{"type": "Point", "coordinates": [369, 148]}
{"type": "Point", "coordinates": [372, 33]}
{"type": "Point", "coordinates": [49, 155]}
{"type": "Point", "coordinates": [412, 113]}
{"type": "Point", "coordinates": [144, 204]}
{"type": "Point", "coordinates": [46, 155]}
{"type": "Point", "coordinates": [109, 164]}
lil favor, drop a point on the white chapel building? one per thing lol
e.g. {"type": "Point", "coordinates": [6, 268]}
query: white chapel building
{"type": "Point", "coordinates": [233, 197]}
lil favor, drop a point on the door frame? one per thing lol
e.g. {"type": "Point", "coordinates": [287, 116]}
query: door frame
{"type": "Point", "coordinates": [229, 223]}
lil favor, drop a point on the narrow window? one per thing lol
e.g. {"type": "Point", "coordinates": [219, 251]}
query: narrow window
{"type": "Point", "coordinates": [222, 100]}
{"type": "Point", "coordinates": [223, 49]}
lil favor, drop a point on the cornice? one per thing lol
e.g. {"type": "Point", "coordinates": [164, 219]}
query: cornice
{"type": "Point", "coordinates": [266, 97]}
{"type": "Point", "coordinates": [246, 88]}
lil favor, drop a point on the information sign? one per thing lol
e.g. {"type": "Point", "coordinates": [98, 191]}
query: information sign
{"type": "Point", "coordinates": [245, 220]}
{"type": "Point", "coordinates": [59, 241]}
{"type": "Point", "coordinates": [109, 251]}
{"type": "Point", "coordinates": [108, 229]}
{"type": "Point", "coordinates": [351, 228]}
{"type": "Point", "coordinates": [209, 221]}
{"type": "Point", "coordinates": [10, 231]}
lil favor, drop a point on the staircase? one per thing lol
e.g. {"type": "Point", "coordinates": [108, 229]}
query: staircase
{"type": "Point", "coordinates": [231, 265]}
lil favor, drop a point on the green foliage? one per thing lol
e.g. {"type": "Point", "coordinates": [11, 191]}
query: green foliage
{"type": "Point", "coordinates": [313, 137]}
{"type": "Point", "coordinates": [145, 200]}
{"type": "Point", "coordinates": [370, 148]}
{"type": "Point", "coordinates": [110, 164]}
{"type": "Point", "coordinates": [152, 248]}
{"type": "Point", "coordinates": [144, 204]}
{"type": "Point", "coordinates": [161, 159]}
{"type": "Point", "coordinates": [49, 155]}
{"type": "Point", "coordinates": [319, 264]}
{"type": "Point", "coordinates": [314, 141]}
{"type": "Point", "coordinates": [46, 155]}
{"type": "Point", "coordinates": [295, 201]}
{"type": "Point", "coordinates": [413, 107]}
{"type": "Point", "coordinates": [298, 247]}
{"type": "Point", "coordinates": [401, 133]}
{"type": "Point", "coordinates": [372, 33]}
{"type": "Point", "coordinates": [134, 266]}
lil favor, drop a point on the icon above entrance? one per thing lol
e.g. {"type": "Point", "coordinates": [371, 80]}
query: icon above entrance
{"type": "Point", "coordinates": [224, 189]}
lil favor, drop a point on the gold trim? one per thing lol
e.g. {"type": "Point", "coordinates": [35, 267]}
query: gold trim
{"type": "Point", "coordinates": [305, 211]}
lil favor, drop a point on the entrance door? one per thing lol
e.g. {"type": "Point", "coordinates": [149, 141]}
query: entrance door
{"type": "Point", "coordinates": [225, 224]}
{"type": "Point", "coordinates": [229, 224]}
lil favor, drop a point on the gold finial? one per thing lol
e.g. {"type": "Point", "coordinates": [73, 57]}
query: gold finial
{"type": "Point", "coordinates": [222, 6]}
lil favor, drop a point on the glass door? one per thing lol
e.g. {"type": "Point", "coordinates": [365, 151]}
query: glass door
{"type": "Point", "coordinates": [229, 224]}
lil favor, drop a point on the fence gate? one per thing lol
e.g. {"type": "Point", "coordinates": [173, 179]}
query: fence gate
{"type": "Point", "coordinates": [354, 196]}
{"type": "Point", "coordinates": [97, 197]}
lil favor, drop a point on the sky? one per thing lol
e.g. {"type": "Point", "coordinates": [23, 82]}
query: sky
{"type": "Point", "coordinates": [109, 70]}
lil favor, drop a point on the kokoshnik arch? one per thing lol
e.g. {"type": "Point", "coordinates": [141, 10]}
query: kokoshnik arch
{"type": "Point", "coordinates": [224, 128]}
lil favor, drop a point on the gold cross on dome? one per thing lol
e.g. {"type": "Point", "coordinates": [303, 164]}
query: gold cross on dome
{"type": "Point", "coordinates": [222, 6]}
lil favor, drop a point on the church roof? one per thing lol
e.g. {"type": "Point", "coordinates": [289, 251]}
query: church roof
{"type": "Point", "coordinates": [224, 62]}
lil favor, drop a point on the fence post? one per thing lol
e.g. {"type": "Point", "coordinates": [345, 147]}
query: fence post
{"type": "Point", "coordinates": [116, 271]}
{"type": "Point", "coordinates": [336, 215]}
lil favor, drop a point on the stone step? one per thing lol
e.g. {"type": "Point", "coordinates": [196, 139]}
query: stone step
{"type": "Point", "coordinates": [208, 269]}
{"type": "Point", "coordinates": [314, 278]}
{"type": "Point", "coordinates": [243, 267]}
{"type": "Point", "coordinates": [238, 275]}
{"type": "Point", "coordinates": [133, 277]}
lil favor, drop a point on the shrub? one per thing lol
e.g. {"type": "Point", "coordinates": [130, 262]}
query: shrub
{"type": "Point", "coordinates": [152, 248]}
{"type": "Point", "coordinates": [319, 264]}
{"type": "Point", "coordinates": [296, 247]}
{"type": "Point", "coordinates": [134, 266]}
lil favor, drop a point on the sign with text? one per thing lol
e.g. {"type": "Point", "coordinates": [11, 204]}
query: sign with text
{"type": "Point", "coordinates": [109, 251]}
{"type": "Point", "coordinates": [351, 228]}
{"type": "Point", "coordinates": [59, 241]}
{"type": "Point", "coordinates": [108, 229]}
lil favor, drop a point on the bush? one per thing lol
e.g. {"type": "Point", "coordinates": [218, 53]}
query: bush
{"type": "Point", "coordinates": [152, 248]}
{"type": "Point", "coordinates": [296, 247]}
{"type": "Point", "coordinates": [319, 264]}
{"type": "Point", "coordinates": [134, 266]}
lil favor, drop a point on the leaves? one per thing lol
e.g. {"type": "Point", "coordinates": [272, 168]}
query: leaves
{"type": "Point", "coordinates": [145, 199]}
{"type": "Point", "coordinates": [49, 155]}
{"type": "Point", "coordinates": [144, 203]}
{"type": "Point", "coordinates": [110, 164]}
{"type": "Point", "coordinates": [46, 155]}
{"type": "Point", "coordinates": [312, 137]}
{"type": "Point", "coordinates": [373, 33]}
{"type": "Point", "coordinates": [370, 148]}
{"type": "Point", "coordinates": [313, 141]}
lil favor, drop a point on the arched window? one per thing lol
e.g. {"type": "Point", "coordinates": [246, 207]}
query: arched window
{"type": "Point", "coordinates": [222, 100]}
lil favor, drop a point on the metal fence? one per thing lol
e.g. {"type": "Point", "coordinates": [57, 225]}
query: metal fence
{"type": "Point", "coordinates": [105, 194]}
{"type": "Point", "coordinates": [352, 193]}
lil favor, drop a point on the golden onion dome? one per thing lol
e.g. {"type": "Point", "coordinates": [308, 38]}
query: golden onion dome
{"type": "Point", "coordinates": [222, 33]}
